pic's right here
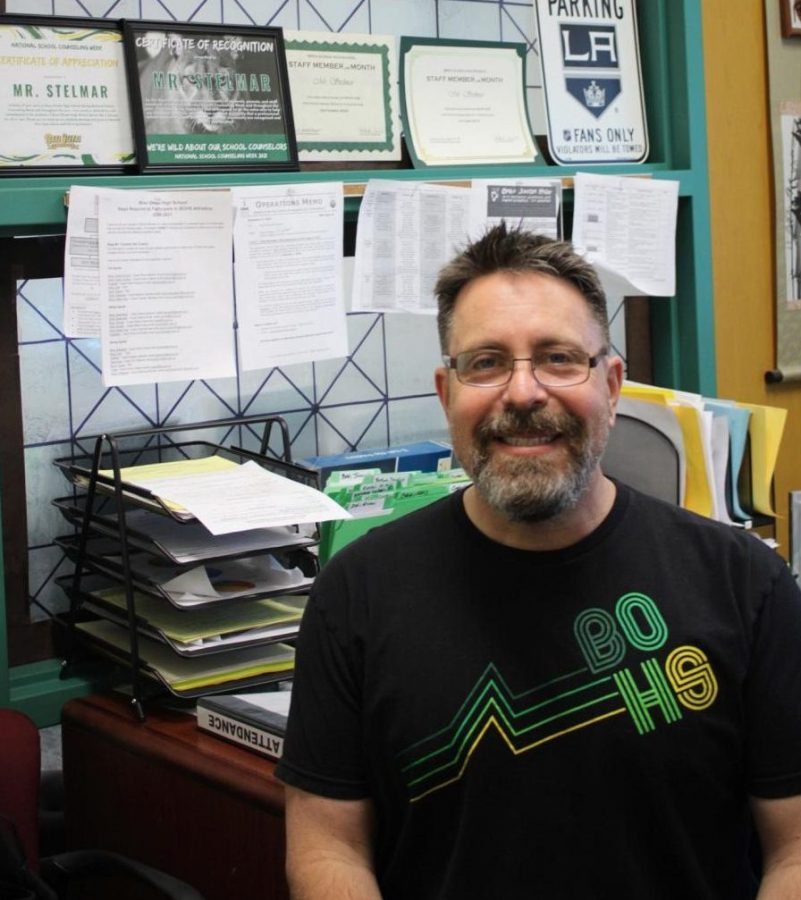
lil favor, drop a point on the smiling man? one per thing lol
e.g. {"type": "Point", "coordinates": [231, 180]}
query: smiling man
{"type": "Point", "coordinates": [533, 398]}
{"type": "Point", "coordinates": [548, 685]}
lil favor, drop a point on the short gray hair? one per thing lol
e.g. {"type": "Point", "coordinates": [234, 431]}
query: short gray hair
{"type": "Point", "coordinates": [504, 249]}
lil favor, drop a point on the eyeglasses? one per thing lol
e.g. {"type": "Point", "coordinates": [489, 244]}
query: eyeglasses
{"type": "Point", "coordinates": [551, 368]}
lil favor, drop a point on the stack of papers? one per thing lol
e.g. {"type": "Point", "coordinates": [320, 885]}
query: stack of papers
{"type": "Point", "coordinates": [715, 436]}
{"type": "Point", "coordinates": [203, 585]}
{"type": "Point", "coordinates": [228, 498]}
{"type": "Point", "coordinates": [181, 542]}
{"type": "Point", "coordinates": [205, 630]}
{"type": "Point", "coordinates": [222, 494]}
{"type": "Point", "coordinates": [152, 473]}
{"type": "Point", "coordinates": [193, 542]}
{"type": "Point", "coordinates": [222, 580]}
{"type": "Point", "coordinates": [182, 674]}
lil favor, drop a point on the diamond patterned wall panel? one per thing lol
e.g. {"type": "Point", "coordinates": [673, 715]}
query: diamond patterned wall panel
{"type": "Point", "coordinates": [282, 13]}
{"type": "Point", "coordinates": [402, 332]}
{"type": "Point", "coordinates": [43, 375]}
{"type": "Point", "coordinates": [333, 15]}
{"type": "Point", "coordinates": [473, 21]}
{"type": "Point", "coordinates": [180, 10]}
{"type": "Point", "coordinates": [418, 17]}
{"type": "Point", "coordinates": [99, 9]}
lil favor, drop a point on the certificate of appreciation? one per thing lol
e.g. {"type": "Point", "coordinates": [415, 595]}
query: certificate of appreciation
{"type": "Point", "coordinates": [592, 81]}
{"type": "Point", "coordinates": [464, 103]}
{"type": "Point", "coordinates": [344, 95]}
{"type": "Point", "coordinates": [63, 95]}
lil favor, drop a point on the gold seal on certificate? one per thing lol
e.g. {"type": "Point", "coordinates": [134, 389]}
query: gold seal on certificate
{"type": "Point", "coordinates": [63, 96]}
{"type": "Point", "coordinates": [344, 96]}
{"type": "Point", "coordinates": [464, 103]}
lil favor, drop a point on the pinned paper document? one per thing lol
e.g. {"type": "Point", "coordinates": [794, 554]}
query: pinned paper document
{"type": "Point", "coordinates": [626, 227]}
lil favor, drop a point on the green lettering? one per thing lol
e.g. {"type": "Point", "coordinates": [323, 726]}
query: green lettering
{"type": "Point", "coordinates": [648, 630]}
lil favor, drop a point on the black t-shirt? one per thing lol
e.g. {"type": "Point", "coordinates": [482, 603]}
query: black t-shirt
{"type": "Point", "coordinates": [583, 723]}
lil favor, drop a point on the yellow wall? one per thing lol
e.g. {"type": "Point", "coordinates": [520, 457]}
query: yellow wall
{"type": "Point", "coordinates": [740, 181]}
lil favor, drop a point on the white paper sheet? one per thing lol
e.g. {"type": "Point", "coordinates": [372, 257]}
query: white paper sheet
{"type": "Point", "coordinates": [235, 578]}
{"type": "Point", "coordinates": [720, 461]}
{"type": "Point", "coordinates": [533, 204]}
{"type": "Point", "coordinates": [407, 232]}
{"type": "Point", "coordinates": [191, 542]}
{"type": "Point", "coordinates": [288, 270]}
{"type": "Point", "coordinates": [81, 265]}
{"type": "Point", "coordinates": [189, 673]}
{"type": "Point", "coordinates": [626, 227]}
{"type": "Point", "coordinates": [246, 497]}
{"type": "Point", "coordinates": [165, 277]}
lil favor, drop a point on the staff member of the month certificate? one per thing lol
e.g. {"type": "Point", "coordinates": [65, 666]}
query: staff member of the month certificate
{"type": "Point", "coordinates": [464, 103]}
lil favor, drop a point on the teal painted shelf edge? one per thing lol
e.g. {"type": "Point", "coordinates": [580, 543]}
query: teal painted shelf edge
{"type": "Point", "coordinates": [38, 690]}
{"type": "Point", "coordinates": [34, 203]}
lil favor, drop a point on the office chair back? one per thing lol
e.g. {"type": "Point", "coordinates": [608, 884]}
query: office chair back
{"type": "Point", "coordinates": [79, 873]}
{"type": "Point", "coordinates": [645, 451]}
{"type": "Point", "coordinates": [19, 779]}
{"type": "Point", "coordinates": [19, 809]}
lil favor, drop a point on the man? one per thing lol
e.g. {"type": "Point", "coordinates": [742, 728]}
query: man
{"type": "Point", "coordinates": [548, 686]}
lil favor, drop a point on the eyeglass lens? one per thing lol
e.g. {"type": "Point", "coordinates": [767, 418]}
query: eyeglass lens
{"type": "Point", "coordinates": [552, 369]}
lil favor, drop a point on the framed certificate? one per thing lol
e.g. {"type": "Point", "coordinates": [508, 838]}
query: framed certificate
{"type": "Point", "coordinates": [63, 96]}
{"type": "Point", "coordinates": [593, 84]}
{"type": "Point", "coordinates": [209, 97]}
{"type": "Point", "coordinates": [344, 96]}
{"type": "Point", "coordinates": [464, 102]}
{"type": "Point", "coordinates": [791, 18]}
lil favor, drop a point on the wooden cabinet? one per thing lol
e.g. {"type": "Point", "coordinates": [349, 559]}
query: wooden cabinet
{"type": "Point", "coordinates": [166, 793]}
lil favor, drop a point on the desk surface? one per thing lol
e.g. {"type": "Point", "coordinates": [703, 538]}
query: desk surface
{"type": "Point", "coordinates": [173, 796]}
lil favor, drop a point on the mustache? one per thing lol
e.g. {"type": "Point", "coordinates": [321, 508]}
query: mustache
{"type": "Point", "coordinates": [515, 422]}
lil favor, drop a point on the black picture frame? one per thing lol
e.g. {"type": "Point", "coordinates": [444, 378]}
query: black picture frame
{"type": "Point", "coordinates": [32, 100]}
{"type": "Point", "coordinates": [209, 98]}
{"type": "Point", "coordinates": [791, 18]}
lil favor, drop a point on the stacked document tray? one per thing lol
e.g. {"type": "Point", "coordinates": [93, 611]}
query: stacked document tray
{"type": "Point", "coordinates": [214, 629]}
{"type": "Point", "coordinates": [154, 589]}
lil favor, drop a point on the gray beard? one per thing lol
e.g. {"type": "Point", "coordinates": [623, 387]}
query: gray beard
{"type": "Point", "coordinates": [533, 490]}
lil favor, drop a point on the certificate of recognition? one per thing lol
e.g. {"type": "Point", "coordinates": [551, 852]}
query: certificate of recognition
{"type": "Point", "coordinates": [593, 84]}
{"type": "Point", "coordinates": [344, 95]}
{"type": "Point", "coordinates": [63, 96]}
{"type": "Point", "coordinates": [207, 97]}
{"type": "Point", "coordinates": [463, 103]}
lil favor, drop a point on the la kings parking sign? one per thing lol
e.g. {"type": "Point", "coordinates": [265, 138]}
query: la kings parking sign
{"type": "Point", "coordinates": [593, 84]}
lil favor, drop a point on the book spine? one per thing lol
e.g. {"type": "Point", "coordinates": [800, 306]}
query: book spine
{"type": "Point", "coordinates": [255, 738]}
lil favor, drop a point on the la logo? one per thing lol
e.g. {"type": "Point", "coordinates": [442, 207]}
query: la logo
{"type": "Point", "coordinates": [586, 45]}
